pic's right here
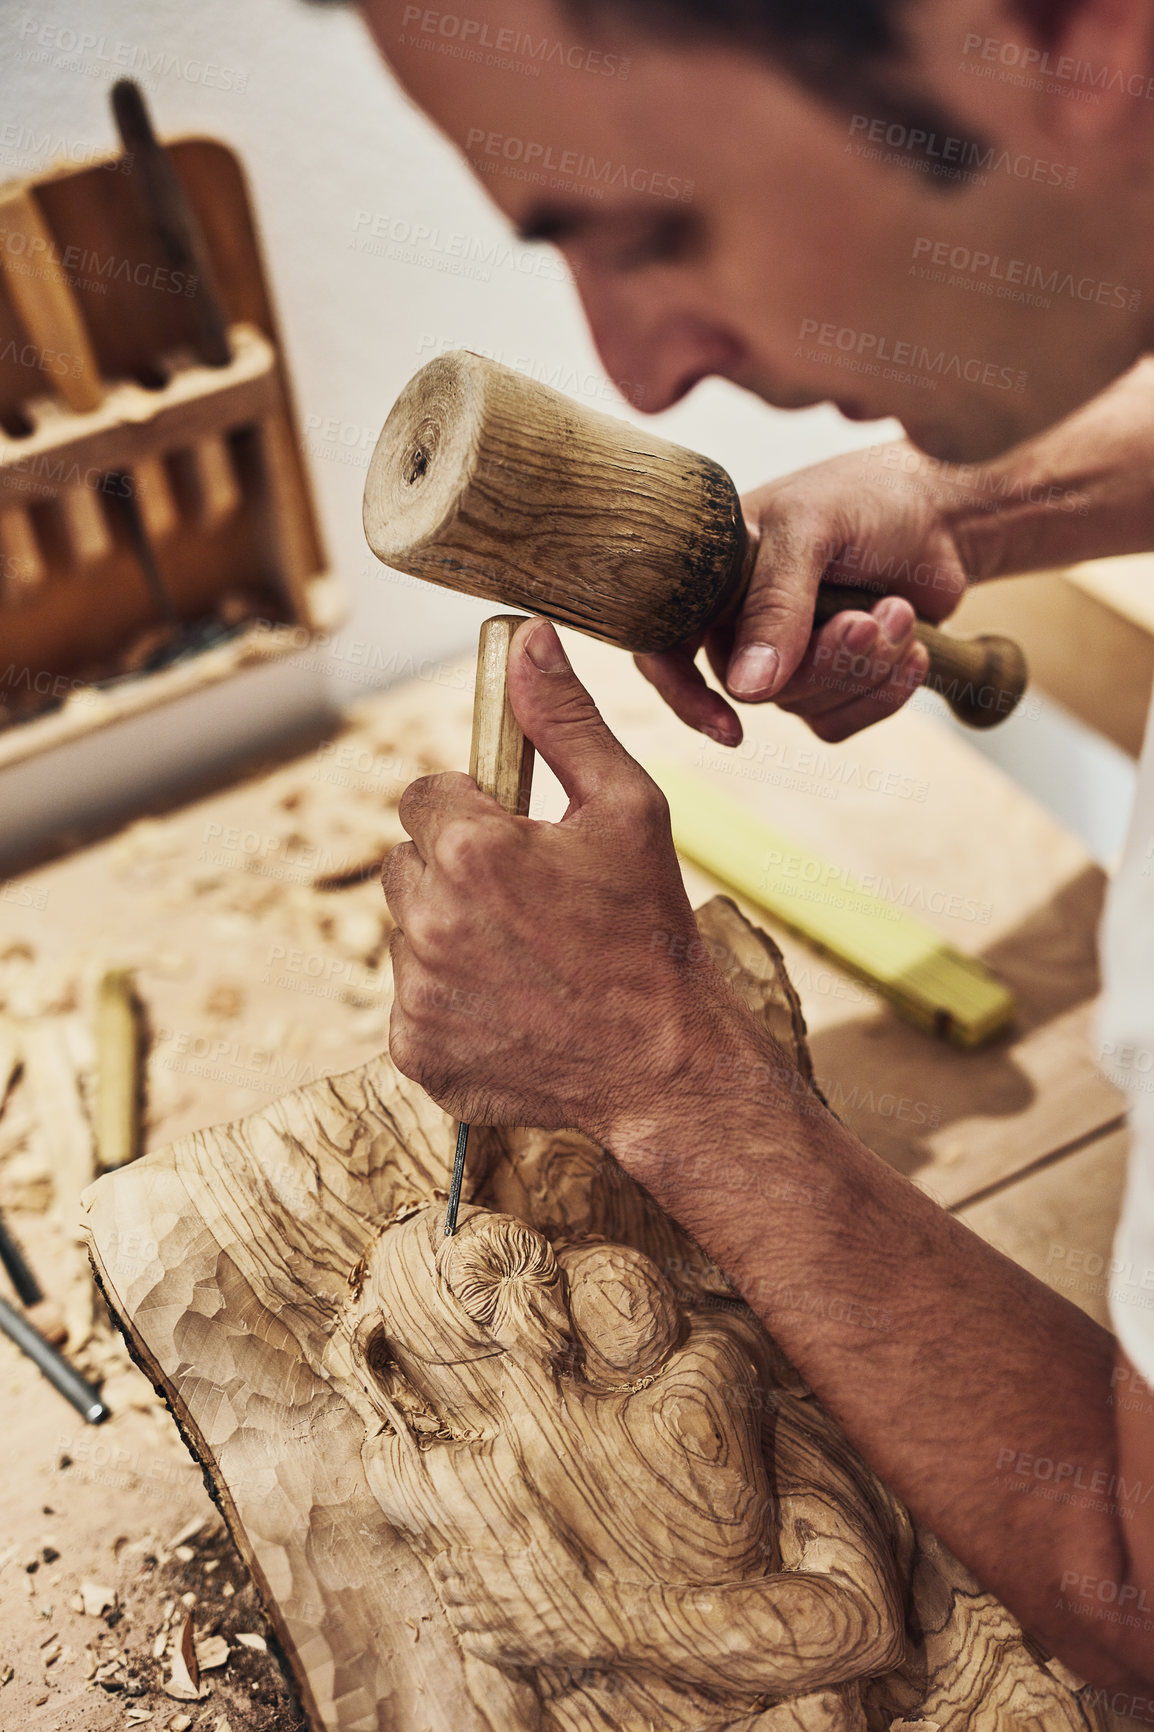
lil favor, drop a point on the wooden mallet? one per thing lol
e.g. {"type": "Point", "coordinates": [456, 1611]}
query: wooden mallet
{"type": "Point", "coordinates": [487, 482]}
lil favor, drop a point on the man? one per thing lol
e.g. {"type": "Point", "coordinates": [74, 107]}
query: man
{"type": "Point", "coordinates": [825, 202]}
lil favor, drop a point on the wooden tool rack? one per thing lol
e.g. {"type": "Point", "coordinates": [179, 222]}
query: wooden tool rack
{"type": "Point", "coordinates": [104, 399]}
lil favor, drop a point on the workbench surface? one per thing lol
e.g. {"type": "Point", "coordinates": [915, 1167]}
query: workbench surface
{"type": "Point", "coordinates": [256, 925]}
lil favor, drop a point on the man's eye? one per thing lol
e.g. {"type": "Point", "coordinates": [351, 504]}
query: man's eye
{"type": "Point", "coordinates": [668, 240]}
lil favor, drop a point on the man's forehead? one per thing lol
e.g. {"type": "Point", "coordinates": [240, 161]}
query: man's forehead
{"type": "Point", "coordinates": [566, 128]}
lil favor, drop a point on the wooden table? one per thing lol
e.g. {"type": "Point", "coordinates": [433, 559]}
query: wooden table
{"type": "Point", "coordinates": [259, 935]}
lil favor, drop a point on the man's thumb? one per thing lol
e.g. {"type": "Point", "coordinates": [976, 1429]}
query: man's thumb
{"type": "Point", "coordinates": [557, 714]}
{"type": "Point", "coordinates": [774, 625]}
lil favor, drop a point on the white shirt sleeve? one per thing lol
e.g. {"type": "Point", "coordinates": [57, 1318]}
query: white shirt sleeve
{"type": "Point", "coordinates": [1127, 1060]}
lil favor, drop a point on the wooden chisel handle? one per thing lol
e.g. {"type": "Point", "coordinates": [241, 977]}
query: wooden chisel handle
{"type": "Point", "coordinates": [981, 678]}
{"type": "Point", "coordinates": [501, 760]}
{"type": "Point", "coordinates": [501, 763]}
{"type": "Point", "coordinates": [46, 303]}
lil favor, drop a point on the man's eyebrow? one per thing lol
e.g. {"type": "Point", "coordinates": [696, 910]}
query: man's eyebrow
{"type": "Point", "coordinates": [555, 223]}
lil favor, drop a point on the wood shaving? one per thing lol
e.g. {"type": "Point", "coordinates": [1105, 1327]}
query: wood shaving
{"type": "Point", "coordinates": [212, 1653]}
{"type": "Point", "coordinates": [96, 1599]}
{"type": "Point", "coordinates": [184, 1679]}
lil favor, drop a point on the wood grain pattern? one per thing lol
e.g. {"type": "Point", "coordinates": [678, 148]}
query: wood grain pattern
{"type": "Point", "coordinates": [550, 1473]}
{"type": "Point", "coordinates": [500, 757]}
{"type": "Point", "coordinates": [491, 483]}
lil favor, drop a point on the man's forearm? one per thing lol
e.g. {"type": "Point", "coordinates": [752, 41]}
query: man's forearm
{"type": "Point", "coordinates": [950, 1368]}
{"type": "Point", "coordinates": [1082, 490]}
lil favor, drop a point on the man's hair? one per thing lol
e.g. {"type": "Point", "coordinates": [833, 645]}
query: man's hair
{"type": "Point", "coordinates": [823, 29]}
{"type": "Point", "coordinates": [845, 52]}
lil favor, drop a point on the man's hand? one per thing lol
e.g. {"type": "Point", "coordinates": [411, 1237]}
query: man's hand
{"type": "Point", "coordinates": [539, 968]}
{"type": "Point", "coordinates": [846, 521]}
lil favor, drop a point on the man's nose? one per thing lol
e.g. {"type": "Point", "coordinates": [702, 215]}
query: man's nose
{"type": "Point", "coordinates": [655, 354]}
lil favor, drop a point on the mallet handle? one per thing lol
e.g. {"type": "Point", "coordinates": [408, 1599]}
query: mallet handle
{"type": "Point", "coordinates": [981, 678]}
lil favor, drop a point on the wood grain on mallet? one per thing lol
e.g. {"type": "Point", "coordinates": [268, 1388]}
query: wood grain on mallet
{"type": "Point", "coordinates": [495, 485]}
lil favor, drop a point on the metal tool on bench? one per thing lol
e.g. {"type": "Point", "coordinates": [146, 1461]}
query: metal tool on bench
{"type": "Point", "coordinates": [492, 484]}
{"type": "Point", "coordinates": [48, 1359]}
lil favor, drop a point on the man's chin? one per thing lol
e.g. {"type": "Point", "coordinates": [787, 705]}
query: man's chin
{"type": "Point", "coordinates": [953, 444]}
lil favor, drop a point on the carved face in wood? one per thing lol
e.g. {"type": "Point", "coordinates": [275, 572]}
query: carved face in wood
{"type": "Point", "coordinates": [551, 1407]}
{"type": "Point", "coordinates": [430, 1306]}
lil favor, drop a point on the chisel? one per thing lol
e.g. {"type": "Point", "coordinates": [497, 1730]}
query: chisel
{"type": "Point", "coordinates": [501, 764]}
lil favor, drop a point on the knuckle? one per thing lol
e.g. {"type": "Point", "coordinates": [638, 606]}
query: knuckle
{"type": "Point", "coordinates": [460, 848]}
{"type": "Point", "coordinates": [429, 790]}
{"type": "Point", "coordinates": [414, 798]}
{"type": "Point", "coordinates": [402, 1047]}
{"type": "Point", "coordinates": [421, 932]}
{"type": "Point", "coordinates": [434, 936]}
{"type": "Point", "coordinates": [643, 804]}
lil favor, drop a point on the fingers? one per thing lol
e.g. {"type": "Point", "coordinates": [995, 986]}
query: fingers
{"type": "Point", "coordinates": [400, 875]}
{"type": "Point", "coordinates": [560, 718]}
{"type": "Point", "coordinates": [431, 803]}
{"type": "Point", "coordinates": [776, 618]}
{"type": "Point", "coordinates": [676, 677]}
{"type": "Point", "coordinates": [852, 657]}
{"type": "Point", "coordinates": [851, 717]}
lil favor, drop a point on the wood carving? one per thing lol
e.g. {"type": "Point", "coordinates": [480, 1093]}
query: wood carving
{"type": "Point", "coordinates": [549, 1474]}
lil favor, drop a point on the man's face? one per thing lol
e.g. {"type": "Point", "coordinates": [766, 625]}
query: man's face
{"type": "Point", "coordinates": [719, 220]}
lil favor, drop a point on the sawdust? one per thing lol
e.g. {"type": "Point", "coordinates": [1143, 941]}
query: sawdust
{"type": "Point", "coordinates": [256, 933]}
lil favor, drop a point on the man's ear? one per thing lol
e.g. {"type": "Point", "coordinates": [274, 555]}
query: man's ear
{"type": "Point", "coordinates": [1089, 63]}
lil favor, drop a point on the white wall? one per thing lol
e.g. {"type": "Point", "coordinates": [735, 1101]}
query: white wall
{"type": "Point", "coordinates": [333, 150]}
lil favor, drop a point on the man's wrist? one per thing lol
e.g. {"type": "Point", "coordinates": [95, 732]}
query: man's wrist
{"type": "Point", "coordinates": [736, 1092]}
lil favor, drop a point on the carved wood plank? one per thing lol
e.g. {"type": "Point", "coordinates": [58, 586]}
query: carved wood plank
{"type": "Point", "coordinates": [550, 1473]}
